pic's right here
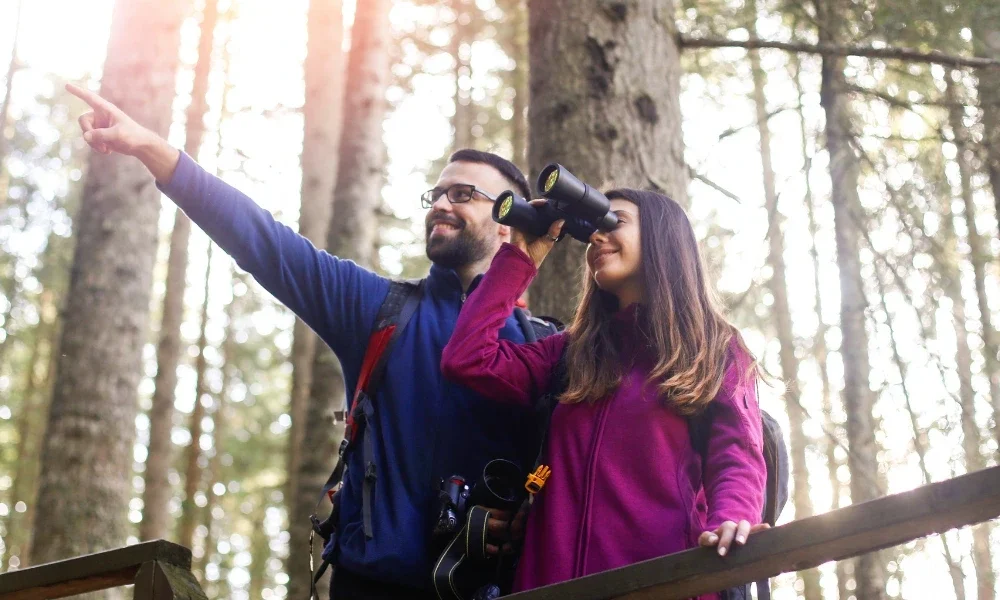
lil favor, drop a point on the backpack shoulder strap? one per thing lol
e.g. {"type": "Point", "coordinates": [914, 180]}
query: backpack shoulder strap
{"type": "Point", "coordinates": [397, 308]}
{"type": "Point", "coordinates": [395, 312]}
{"type": "Point", "coordinates": [536, 328]}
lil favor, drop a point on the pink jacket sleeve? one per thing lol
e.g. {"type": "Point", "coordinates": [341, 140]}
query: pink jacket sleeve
{"type": "Point", "coordinates": [475, 356]}
{"type": "Point", "coordinates": [735, 473]}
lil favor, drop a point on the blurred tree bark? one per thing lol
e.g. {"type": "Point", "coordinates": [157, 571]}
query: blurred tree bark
{"type": "Point", "coordinates": [604, 103]}
{"type": "Point", "coordinates": [87, 457]}
{"type": "Point", "coordinates": [156, 494]}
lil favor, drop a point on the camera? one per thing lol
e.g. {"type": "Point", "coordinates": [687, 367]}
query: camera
{"type": "Point", "coordinates": [584, 209]}
{"type": "Point", "coordinates": [452, 501]}
{"type": "Point", "coordinates": [500, 487]}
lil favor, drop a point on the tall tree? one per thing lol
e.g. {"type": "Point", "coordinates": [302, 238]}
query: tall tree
{"type": "Point", "coordinates": [192, 455]}
{"type": "Point", "coordinates": [85, 483]}
{"type": "Point", "coordinates": [30, 422]}
{"type": "Point", "coordinates": [986, 41]}
{"type": "Point", "coordinates": [951, 277]}
{"type": "Point", "coordinates": [157, 490]}
{"type": "Point", "coordinates": [322, 117]}
{"type": "Point", "coordinates": [8, 89]}
{"type": "Point", "coordinates": [859, 400]}
{"type": "Point", "coordinates": [462, 36]}
{"type": "Point", "coordinates": [604, 103]}
{"type": "Point", "coordinates": [820, 351]}
{"type": "Point", "coordinates": [351, 235]}
{"type": "Point", "coordinates": [518, 22]}
{"type": "Point", "coordinates": [781, 311]}
{"type": "Point", "coordinates": [979, 252]}
{"type": "Point", "coordinates": [220, 430]}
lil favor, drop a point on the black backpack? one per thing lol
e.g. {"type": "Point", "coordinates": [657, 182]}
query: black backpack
{"type": "Point", "coordinates": [699, 426]}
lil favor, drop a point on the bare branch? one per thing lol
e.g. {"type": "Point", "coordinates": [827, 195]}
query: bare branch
{"type": "Point", "coordinates": [713, 185]}
{"type": "Point", "coordinates": [905, 54]}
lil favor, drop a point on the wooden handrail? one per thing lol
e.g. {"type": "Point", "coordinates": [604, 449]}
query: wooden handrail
{"type": "Point", "coordinates": [159, 569]}
{"type": "Point", "coordinates": [802, 544]}
{"type": "Point", "coordinates": [162, 571]}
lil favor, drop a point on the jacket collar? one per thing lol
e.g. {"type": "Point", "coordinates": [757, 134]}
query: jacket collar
{"type": "Point", "coordinates": [445, 283]}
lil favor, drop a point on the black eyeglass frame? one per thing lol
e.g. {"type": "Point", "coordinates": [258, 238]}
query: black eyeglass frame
{"type": "Point", "coordinates": [428, 198]}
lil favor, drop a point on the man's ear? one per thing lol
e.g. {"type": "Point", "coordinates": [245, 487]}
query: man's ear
{"type": "Point", "coordinates": [505, 232]}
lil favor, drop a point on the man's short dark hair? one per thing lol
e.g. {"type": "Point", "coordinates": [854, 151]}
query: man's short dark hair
{"type": "Point", "coordinates": [510, 172]}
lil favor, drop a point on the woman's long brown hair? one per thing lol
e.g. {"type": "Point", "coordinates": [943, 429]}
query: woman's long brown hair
{"type": "Point", "coordinates": [686, 331]}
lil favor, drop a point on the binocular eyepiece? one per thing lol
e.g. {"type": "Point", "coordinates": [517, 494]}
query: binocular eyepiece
{"type": "Point", "coordinates": [585, 209]}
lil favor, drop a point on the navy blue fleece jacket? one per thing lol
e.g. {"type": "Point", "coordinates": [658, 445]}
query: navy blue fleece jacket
{"type": "Point", "coordinates": [425, 427]}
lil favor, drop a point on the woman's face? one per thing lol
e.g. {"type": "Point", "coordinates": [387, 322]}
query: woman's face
{"type": "Point", "coordinates": [614, 257]}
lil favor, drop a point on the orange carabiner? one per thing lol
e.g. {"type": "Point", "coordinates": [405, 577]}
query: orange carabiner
{"type": "Point", "coordinates": [537, 479]}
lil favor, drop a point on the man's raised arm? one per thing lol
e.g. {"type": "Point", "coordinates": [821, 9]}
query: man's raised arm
{"type": "Point", "coordinates": [336, 298]}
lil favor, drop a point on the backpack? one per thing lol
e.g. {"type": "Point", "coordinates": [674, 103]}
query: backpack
{"type": "Point", "coordinates": [699, 427]}
{"type": "Point", "coordinates": [395, 312]}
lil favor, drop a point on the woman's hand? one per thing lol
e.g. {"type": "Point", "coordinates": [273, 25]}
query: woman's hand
{"type": "Point", "coordinates": [723, 536]}
{"type": "Point", "coordinates": [537, 248]}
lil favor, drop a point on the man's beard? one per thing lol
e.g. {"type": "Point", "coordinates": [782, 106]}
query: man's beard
{"type": "Point", "coordinates": [463, 249]}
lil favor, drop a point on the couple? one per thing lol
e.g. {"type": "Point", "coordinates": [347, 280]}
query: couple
{"type": "Point", "coordinates": [646, 350]}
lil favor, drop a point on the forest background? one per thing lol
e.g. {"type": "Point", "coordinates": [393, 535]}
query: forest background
{"type": "Point", "coordinates": [844, 179]}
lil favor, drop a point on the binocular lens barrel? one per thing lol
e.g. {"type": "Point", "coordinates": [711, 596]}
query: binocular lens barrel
{"type": "Point", "coordinates": [558, 184]}
{"type": "Point", "coordinates": [584, 209]}
{"type": "Point", "coordinates": [514, 211]}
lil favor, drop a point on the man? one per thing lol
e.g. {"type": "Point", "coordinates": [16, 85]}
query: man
{"type": "Point", "coordinates": [424, 428]}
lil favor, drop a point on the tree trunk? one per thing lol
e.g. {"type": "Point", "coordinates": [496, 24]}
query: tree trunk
{"type": "Point", "coordinates": [986, 42]}
{"type": "Point", "coordinates": [11, 290]}
{"type": "Point", "coordinates": [322, 117]}
{"type": "Point", "coordinates": [260, 548]}
{"type": "Point", "coordinates": [461, 51]}
{"type": "Point", "coordinates": [979, 254]}
{"type": "Point", "coordinates": [782, 316]}
{"type": "Point", "coordinates": [859, 399]}
{"type": "Point", "coordinates": [351, 235]}
{"type": "Point", "coordinates": [29, 425]}
{"type": "Point", "coordinates": [219, 431]}
{"type": "Point", "coordinates": [85, 483]}
{"type": "Point", "coordinates": [819, 349]}
{"type": "Point", "coordinates": [5, 103]}
{"type": "Point", "coordinates": [951, 276]}
{"type": "Point", "coordinates": [193, 470]}
{"type": "Point", "coordinates": [919, 438]}
{"type": "Point", "coordinates": [519, 49]}
{"type": "Point", "coordinates": [604, 92]}
{"type": "Point", "coordinates": [157, 490]}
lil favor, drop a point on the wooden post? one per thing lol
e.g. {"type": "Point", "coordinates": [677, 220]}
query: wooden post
{"type": "Point", "coordinates": [160, 571]}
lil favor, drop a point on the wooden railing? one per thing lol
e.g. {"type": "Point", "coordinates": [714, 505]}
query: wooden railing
{"type": "Point", "coordinates": [160, 571]}
{"type": "Point", "coordinates": [799, 545]}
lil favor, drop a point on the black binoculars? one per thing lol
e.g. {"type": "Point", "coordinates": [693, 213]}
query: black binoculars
{"type": "Point", "coordinates": [585, 209]}
{"type": "Point", "coordinates": [501, 487]}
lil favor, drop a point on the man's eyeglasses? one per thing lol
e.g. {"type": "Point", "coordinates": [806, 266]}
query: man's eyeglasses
{"type": "Point", "coordinates": [456, 193]}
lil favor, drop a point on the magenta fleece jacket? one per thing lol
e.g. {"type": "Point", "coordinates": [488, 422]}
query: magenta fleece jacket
{"type": "Point", "coordinates": [626, 483]}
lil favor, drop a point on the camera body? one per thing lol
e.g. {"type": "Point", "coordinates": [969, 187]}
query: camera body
{"type": "Point", "coordinates": [501, 487]}
{"type": "Point", "coordinates": [452, 503]}
{"type": "Point", "coordinates": [584, 209]}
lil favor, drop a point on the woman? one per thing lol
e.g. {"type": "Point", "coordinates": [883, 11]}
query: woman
{"type": "Point", "coordinates": [647, 350]}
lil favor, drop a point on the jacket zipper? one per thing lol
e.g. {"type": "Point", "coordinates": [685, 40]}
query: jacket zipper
{"type": "Point", "coordinates": [588, 490]}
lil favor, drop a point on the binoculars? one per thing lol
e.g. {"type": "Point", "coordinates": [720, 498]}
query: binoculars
{"type": "Point", "coordinates": [584, 209]}
{"type": "Point", "coordinates": [500, 487]}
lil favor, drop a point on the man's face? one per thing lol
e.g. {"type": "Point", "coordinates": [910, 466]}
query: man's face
{"type": "Point", "coordinates": [459, 234]}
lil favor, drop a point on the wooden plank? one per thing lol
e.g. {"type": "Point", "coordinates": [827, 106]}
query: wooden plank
{"type": "Point", "coordinates": [105, 569]}
{"type": "Point", "coordinates": [799, 545]}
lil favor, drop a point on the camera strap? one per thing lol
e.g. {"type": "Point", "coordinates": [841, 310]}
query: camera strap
{"type": "Point", "coordinates": [467, 547]}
